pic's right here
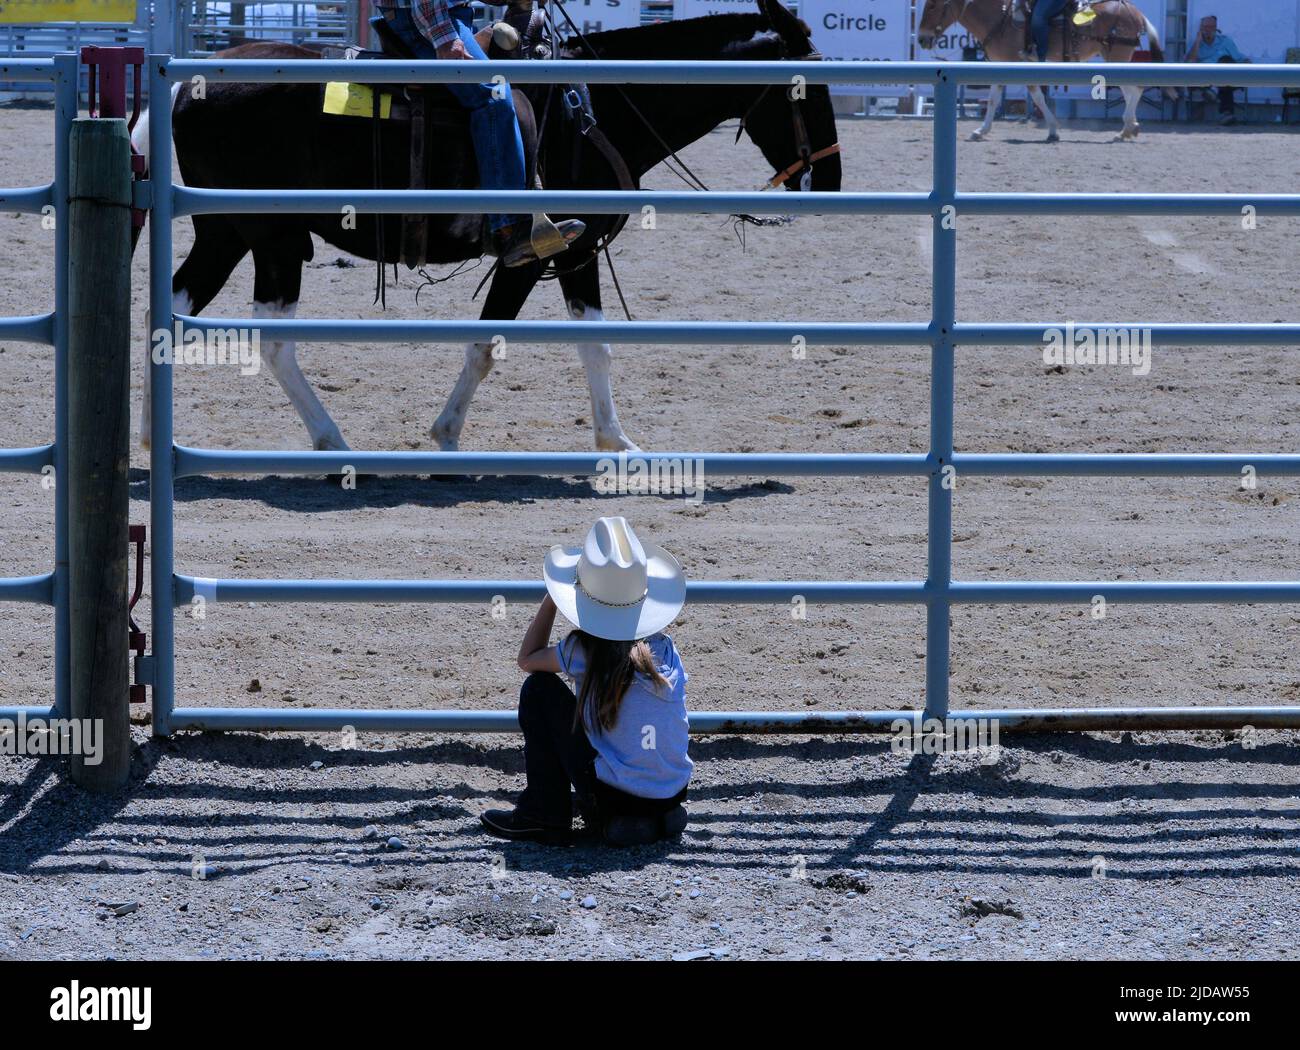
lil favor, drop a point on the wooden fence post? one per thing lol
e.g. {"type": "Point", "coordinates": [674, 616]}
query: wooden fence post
{"type": "Point", "coordinates": [99, 424]}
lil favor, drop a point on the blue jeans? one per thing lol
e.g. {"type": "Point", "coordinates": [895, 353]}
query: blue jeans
{"type": "Point", "coordinates": [498, 146]}
{"type": "Point", "coordinates": [1041, 24]}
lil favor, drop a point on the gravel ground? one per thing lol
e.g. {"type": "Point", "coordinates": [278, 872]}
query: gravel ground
{"type": "Point", "coordinates": [1090, 846]}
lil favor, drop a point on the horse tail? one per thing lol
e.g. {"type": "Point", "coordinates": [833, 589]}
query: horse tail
{"type": "Point", "coordinates": [140, 133]}
{"type": "Point", "coordinates": [1157, 52]}
{"type": "Point", "coordinates": [140, 143]}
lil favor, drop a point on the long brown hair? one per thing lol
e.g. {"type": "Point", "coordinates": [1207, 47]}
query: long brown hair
{"type": "Point", "coordinates": [611, 666]}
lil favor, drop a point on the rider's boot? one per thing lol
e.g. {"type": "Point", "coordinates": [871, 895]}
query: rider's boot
{"type": "Point", "coordinates": [520, 244]}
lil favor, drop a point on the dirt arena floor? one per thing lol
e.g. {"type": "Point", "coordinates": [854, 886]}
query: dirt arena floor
{"type": "Point", "coordinates": [1095, 846]}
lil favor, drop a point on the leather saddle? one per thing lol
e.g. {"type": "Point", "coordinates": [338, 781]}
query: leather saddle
{"type": "Point", "coordinates": [442, 151]}
{"type": "Point", "coordinates": [1025, 9]}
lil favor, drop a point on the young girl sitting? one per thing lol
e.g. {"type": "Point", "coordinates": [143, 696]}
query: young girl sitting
{"type": "Point", "coordinates": [621, 740]}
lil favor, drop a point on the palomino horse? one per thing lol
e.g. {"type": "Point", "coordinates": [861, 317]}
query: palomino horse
{"type": "Point", "coordinates": [1000, 27]}
{"type": "Point", "coordinates": [275, 136]}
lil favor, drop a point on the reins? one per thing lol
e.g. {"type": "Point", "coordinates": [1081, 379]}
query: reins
{"type": "Point", "coordinates": [807, 156]}
{"type": "Point", "coordinates": [578, 35]}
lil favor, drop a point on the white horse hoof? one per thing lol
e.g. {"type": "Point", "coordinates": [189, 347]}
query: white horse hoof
{"type": "Point", "coordinates": [618, 443]}
{"type": "Point", "coordinates": [977, 135]}
{"type": "Point", "coordinates": [331, 443]}
{"type": "Point", "coordinates": [1054, 137]}
{"type": "Point", "coordinates": [447, 441]}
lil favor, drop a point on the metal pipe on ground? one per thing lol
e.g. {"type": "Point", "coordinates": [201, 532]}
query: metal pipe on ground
{"type": "Point", "coordinates": [1053, 720]}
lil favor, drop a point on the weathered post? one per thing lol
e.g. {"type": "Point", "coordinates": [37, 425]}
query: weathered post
{"type": "Point", "coordinates": [99, 423]}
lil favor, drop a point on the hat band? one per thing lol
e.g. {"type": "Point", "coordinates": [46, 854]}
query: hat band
{"type": "Point", "coordinates": [612, 605]}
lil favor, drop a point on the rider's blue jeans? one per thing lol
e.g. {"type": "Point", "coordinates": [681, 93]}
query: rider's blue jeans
{"type": "Point", "coordinates": [1041, 24]}
{"type": "Point", "coordinates": [492, 122]}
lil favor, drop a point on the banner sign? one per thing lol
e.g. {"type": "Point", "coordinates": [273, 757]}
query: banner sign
{"type": "Point", "coordinates": [865, 30]}
{"type": "Point", "coordinates": [598, 16]}
{"type": "Point", "coordinates": [861, 31]}
{"type": "Point", "coordinates": [700, 8]}
{"type": "Point", "coordinates": [22, 12]}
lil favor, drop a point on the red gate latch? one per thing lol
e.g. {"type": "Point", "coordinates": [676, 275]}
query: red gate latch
{"type": "Point", "coordinates": [108, 96]}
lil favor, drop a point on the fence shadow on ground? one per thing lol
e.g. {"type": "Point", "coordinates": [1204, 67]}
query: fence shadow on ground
{"type": "Point", "coordinates": [251, 804]}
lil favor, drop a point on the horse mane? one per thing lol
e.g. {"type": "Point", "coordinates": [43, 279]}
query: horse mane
{"type": "Point", "coordinates": [740, 35]}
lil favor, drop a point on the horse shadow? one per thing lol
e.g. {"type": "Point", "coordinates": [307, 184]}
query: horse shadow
{"type": "Point", "coordinates": [1062, 141]}
{"type": "Point", "coordinates": [1154, 128]}
{"type": "Point", "coordinates": [318, 494]}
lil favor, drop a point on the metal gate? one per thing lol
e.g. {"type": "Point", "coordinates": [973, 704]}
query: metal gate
{"type": "Point", "coordinates": [937, 469]}
{"type": "Point", "coordinates": [44, 41]}
{"type": "Point", "coordinates": [60, 75]}
{"type": "Point", "coordinates": [206, 26]}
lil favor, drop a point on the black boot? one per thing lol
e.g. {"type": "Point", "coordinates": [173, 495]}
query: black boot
{"type": "Point", "coordinates": [511, 824]}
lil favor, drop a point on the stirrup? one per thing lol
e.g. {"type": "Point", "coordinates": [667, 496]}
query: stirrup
{"type": "Point", "coordinates": [548, 239]}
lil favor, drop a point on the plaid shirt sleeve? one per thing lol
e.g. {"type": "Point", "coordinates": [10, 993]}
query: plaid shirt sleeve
{"type": "Point", "coordinates": [432, 19]}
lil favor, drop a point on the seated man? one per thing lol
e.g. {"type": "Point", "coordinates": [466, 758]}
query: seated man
{"type": "Point", "coordinates": [1212, 46]}
{"type": "Point", "coordinates": [498, 146]}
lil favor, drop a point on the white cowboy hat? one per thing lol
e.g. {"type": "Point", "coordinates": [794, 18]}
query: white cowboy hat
{"type": "Point", "coordinates": [616, 585]}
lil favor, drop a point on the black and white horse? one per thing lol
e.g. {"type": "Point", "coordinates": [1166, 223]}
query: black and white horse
{"type": "Point", "coordinates": [275, 136]}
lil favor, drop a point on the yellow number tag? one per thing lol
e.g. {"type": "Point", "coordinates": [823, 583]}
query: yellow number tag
{"type": "Point", "coordinates": [354, 100]}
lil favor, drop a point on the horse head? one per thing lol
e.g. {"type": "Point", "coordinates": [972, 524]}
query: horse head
{"type": "Point", "coordinates": [937, 18]}
{"type": "Point", "coordinates": [794, 127]}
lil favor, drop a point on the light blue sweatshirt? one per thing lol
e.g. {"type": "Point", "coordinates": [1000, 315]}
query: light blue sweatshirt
{"type": "Point", "coordinates": [645, 753]}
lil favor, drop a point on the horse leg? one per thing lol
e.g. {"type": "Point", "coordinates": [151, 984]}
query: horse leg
{"type": "Point", "coordinates": [276, 286]}
{"type": "Point", "coordinates": [995, 100]}
{"type": "Point", "coordinates": [1053, 126]}
{"type": "Point", "coordinates": [1132, 96]}
{"type": "Point", "coordinates": [217, 250]}
{"type": "Point", "coordinates": [582, 296]}
{"type": "Point", "coordinates": [505, 298]}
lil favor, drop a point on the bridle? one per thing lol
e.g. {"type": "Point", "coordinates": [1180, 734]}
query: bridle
{"type": "Point", "coordinates": [808, 157]}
